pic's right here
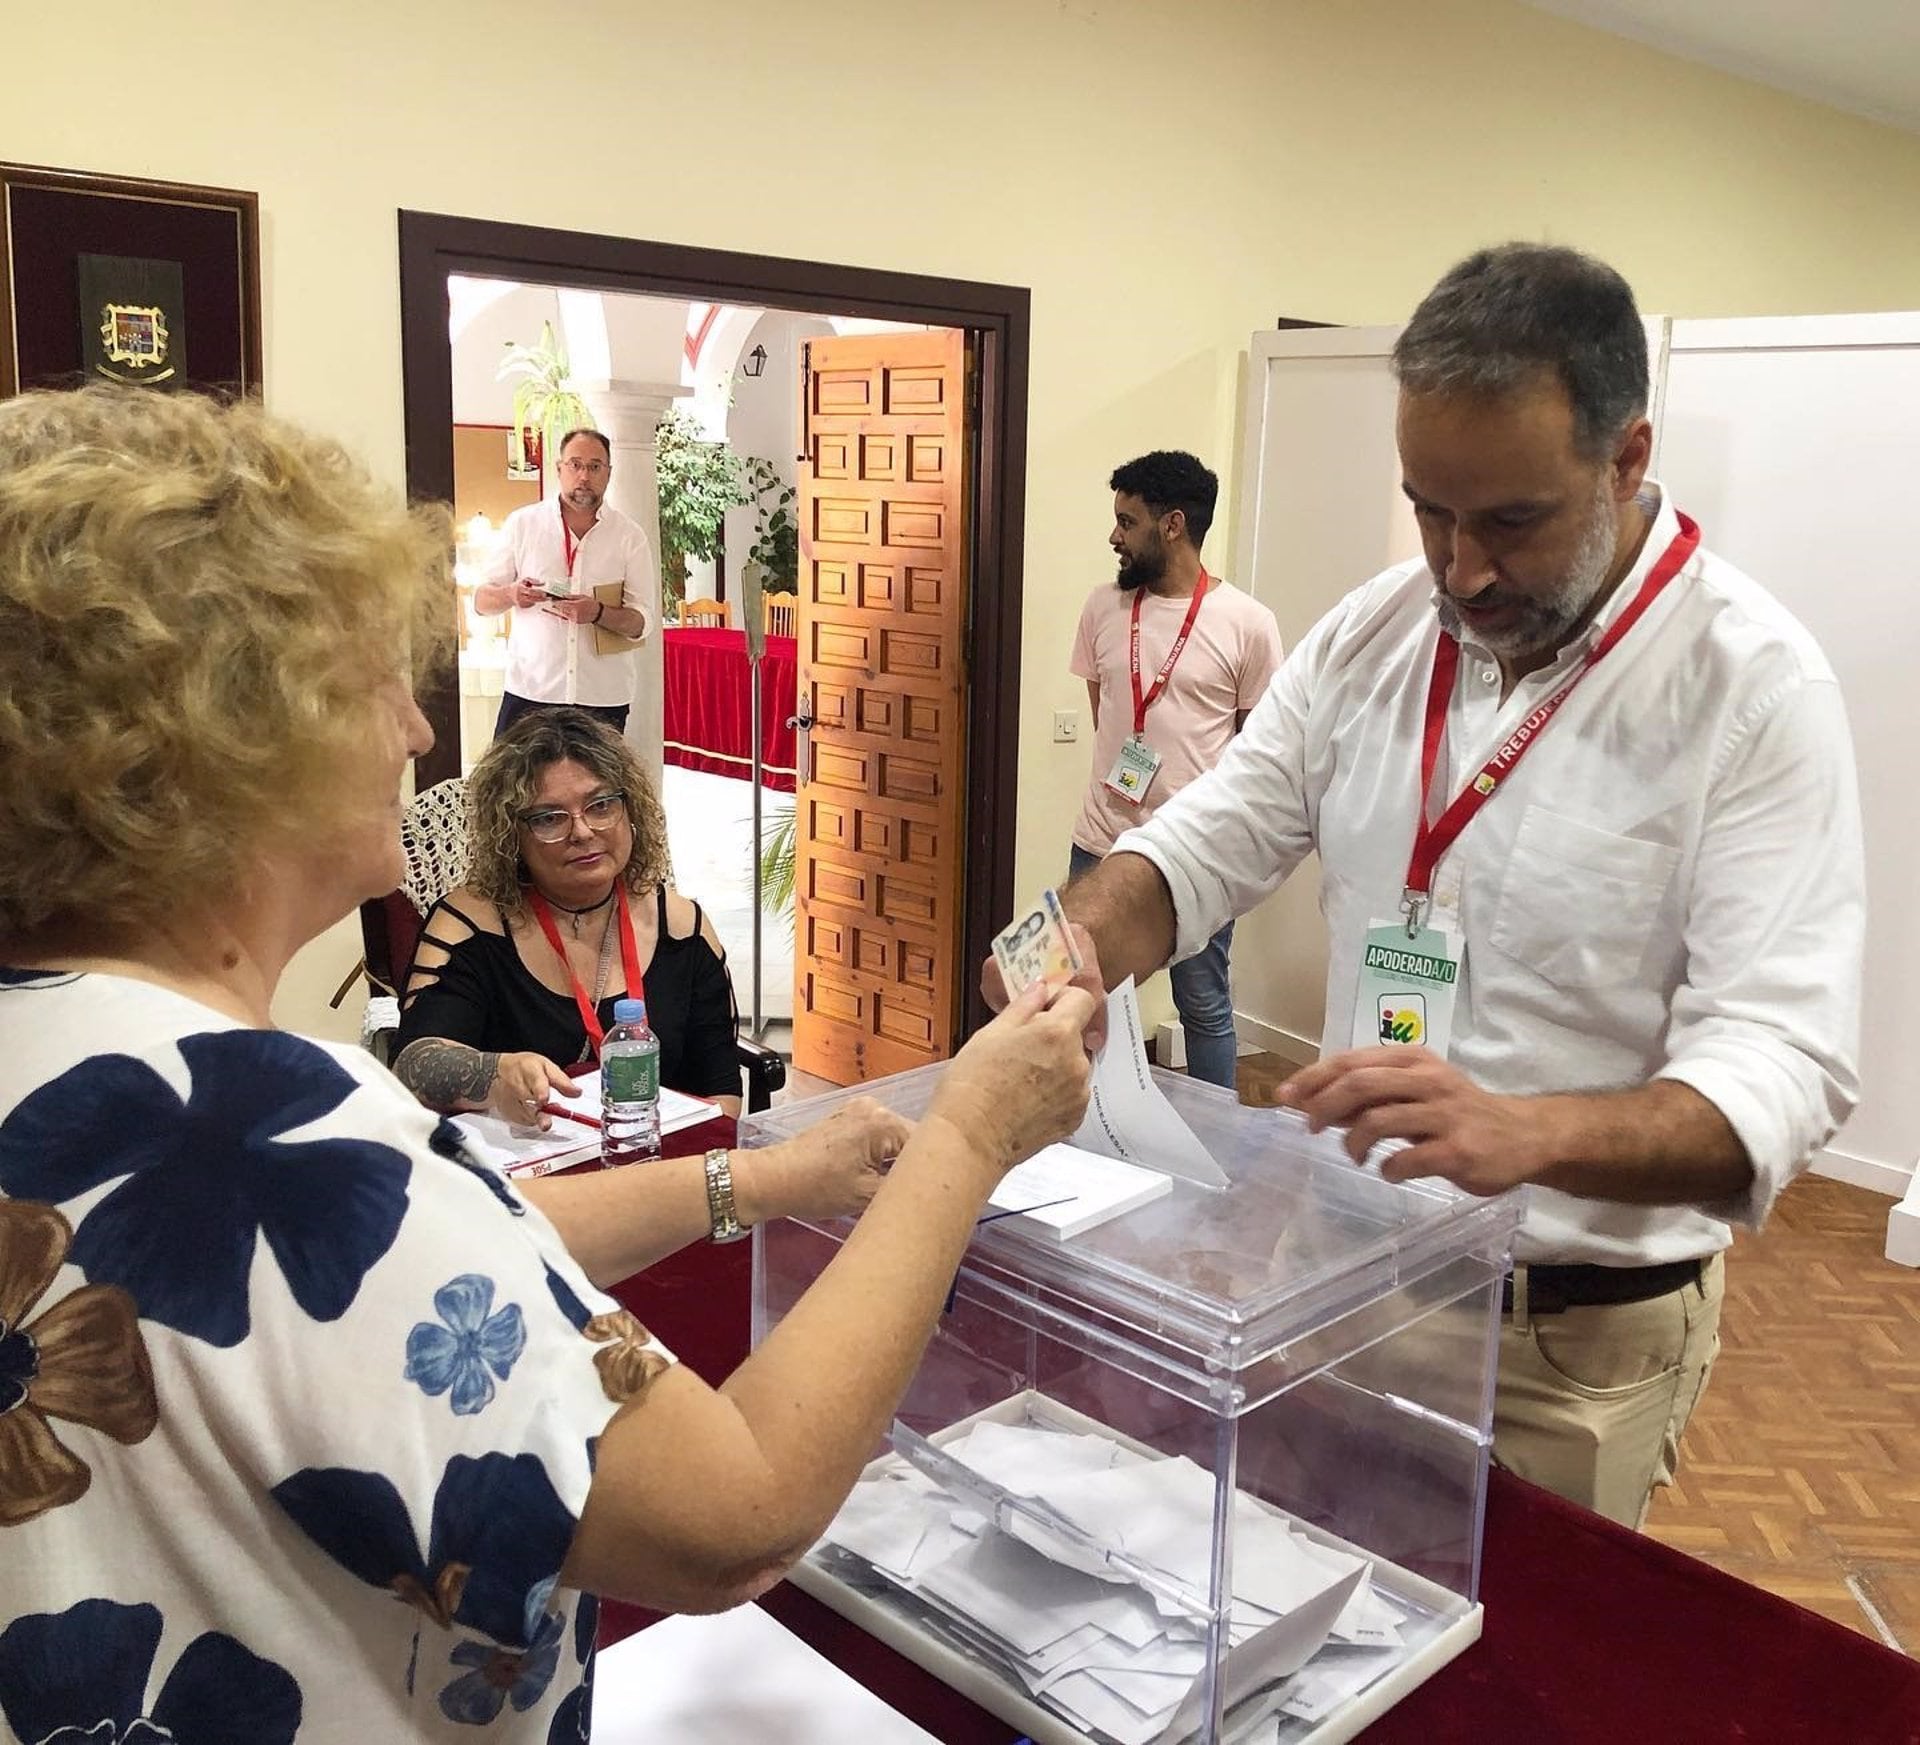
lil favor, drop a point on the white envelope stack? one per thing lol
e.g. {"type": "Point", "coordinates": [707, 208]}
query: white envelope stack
{"type": "Point", "coordinates": [1090, 1589]}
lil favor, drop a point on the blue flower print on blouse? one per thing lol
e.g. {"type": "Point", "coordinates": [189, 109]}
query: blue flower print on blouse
{"type": "Point", "coordinates": [498, 1538]}
{"type": "Point", "coordinates": [568, 1302]}
{"type": "Point", "coordinates": [201, 1182]}
{"type": "Point", "coordinates": [572, 1722]}
{"type": "Point", "coordinates": [474, 1340]}
{"type": "Point", "coordinates": [497, 1676]}
{"type": "Point", "coordinates": [81, 1677]}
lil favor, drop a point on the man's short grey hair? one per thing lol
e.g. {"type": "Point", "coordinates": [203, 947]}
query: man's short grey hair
{"type": "Point", "coordinates": [1504, 315]}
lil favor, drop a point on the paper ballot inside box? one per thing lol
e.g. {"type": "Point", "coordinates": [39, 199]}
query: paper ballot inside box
{"type": "Point", "coordinates": [1079, 1563]}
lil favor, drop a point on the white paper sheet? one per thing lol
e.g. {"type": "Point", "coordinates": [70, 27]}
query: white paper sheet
{"type": "Point", "coordinates": [1129, 1117]}
{"type": "Point", "coordinates": [1282, 1648]}
{"type": "Point", "coordinates": [740, 1675]}
{"type": "Point", "coordinates": [1025, 1599]}
{"type": "Point", "coordinates": [1097, 1706]}
{"type": "Point", "coordinates": [523, 1151]}
{"type": "Point", "coordinates": [1071, 1191]}
{"type": "Point", "coordinates": [1024, 1460]}
{"type": "Point", "coordinates": [1317, 1690]}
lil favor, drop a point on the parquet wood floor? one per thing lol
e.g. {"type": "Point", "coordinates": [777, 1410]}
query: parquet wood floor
{"type": "Point", "coordinates": [1801, 1469]}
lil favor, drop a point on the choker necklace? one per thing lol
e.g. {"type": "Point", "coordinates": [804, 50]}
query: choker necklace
{"type": "Point", "coordinates": [573, 915]}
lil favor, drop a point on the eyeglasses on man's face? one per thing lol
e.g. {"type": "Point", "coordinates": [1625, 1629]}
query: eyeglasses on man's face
{"type": "Point", "coordinates": [577, 468]}
{"type": "Point", "coordinates": [555, 823]}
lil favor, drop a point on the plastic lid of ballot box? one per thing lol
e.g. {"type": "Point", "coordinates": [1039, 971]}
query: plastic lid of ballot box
{"type": "Point", "coordinates": [1213, 1469]}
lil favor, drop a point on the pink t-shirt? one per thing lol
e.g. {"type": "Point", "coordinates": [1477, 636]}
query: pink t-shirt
{"type": "Point", "coordinates": [1224, 669]}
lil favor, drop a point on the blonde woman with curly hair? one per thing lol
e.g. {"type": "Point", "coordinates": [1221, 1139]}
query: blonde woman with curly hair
{"type": "Point", "coordinates": [565, 910]}
{"type": "Point", "coordinates": [311, 1424]}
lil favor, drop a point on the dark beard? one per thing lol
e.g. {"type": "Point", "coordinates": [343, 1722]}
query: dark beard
{"type": "Point", "coordinates": [1140, 572]}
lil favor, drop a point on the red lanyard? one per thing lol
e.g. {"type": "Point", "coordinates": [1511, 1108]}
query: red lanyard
{"type": "Point", "coordinates": [568, 544]}
{"type": "Point", "coordinates": [1142, 704]}
{"type": "Point", "coordinates": [629, 958]}
{"type": "Point", "coordinates": [1431, 840]}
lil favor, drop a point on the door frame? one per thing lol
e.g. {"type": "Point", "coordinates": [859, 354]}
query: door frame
{"type": "Point", "coordinates": [433, 245]}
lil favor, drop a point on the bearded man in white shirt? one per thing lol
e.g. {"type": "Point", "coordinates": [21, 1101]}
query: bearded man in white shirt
{"type": "Point", "coordinates": [1585, 804]}
{"type": "Point", "coordinates": [577, 575]}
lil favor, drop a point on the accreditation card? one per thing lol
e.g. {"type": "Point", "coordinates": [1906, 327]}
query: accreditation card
{"type": "Point", "coordinates": [1407, 986]}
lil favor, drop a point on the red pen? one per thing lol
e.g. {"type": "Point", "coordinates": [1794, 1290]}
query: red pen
{"type": "Point", "coordinates": [570, 1115]}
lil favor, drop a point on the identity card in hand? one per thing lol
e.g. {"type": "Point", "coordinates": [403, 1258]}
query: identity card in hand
{"type": "Point", "coordinates": [1038, 947]}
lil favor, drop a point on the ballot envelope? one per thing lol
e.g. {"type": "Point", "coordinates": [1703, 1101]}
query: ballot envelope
{"type": "Point", "coordinates": [1195, 1462]}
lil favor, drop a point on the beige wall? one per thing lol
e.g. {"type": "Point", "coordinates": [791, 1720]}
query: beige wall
{"type": "Point", "coordinates": [1166, 176]}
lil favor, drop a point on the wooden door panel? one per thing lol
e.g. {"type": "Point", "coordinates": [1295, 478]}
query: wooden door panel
{"type": "Point", "coordinates": [912, 391]}
{"type": "Point", "coordinates": [882, 622]}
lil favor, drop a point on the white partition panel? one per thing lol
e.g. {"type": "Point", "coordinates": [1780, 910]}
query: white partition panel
{"type": "Point", "coordinates": [1321, 511]}
{"type": "Point", "coordinates": [1796, 444]}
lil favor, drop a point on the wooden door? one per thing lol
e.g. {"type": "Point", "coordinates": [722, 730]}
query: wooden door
{"type": "Point", "coordinates": [884, 505]}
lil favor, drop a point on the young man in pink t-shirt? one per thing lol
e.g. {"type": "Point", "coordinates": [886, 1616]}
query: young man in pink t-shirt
{"type": "Point", "coordinates": [1164, 712]}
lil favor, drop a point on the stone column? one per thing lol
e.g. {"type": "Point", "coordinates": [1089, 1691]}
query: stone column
{"type": "Point", "coordinates": [630, 414]}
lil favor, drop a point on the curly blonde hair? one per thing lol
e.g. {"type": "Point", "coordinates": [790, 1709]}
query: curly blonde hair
{"type": "Point", "coordinates": [502, 789]}
{"type": "Point", "coordinates": [199, 606]}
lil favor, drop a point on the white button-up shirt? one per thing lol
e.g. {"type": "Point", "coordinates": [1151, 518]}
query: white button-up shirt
{"type": "Point", "coordinates": [1669, 884]}
{"type": "Point", "coordinates": [550, 659]}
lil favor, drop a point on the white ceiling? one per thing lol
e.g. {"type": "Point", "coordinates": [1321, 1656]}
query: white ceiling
{"type": "Point", "coordinates": [1859, 55]}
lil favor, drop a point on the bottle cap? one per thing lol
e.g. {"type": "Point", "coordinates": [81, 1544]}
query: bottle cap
{"type": "Point", "coordinates": [629, 1011]}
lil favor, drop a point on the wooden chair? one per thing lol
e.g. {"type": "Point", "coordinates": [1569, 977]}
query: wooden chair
{"type": "Point", "coordinates": [782, 614]}
{"type": "Point", "coordinates": [710, 612]}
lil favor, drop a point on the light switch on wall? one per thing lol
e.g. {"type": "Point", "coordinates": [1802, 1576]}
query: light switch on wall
{"type": "Point", "coordinates": [1066, 726]}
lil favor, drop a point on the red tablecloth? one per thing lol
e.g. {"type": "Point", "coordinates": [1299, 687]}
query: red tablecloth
{"type": "Point", "coordinates": [709, 709]}
{"type": "Point", "coordinates": [1594, 1635]}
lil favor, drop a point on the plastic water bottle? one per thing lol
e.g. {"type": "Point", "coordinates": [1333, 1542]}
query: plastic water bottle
{"type": "Point", "coordinates": [629, 1088]}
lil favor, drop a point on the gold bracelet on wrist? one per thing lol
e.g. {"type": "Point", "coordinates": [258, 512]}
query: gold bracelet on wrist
{"type": "Point", "coordinates": [721, 1214]}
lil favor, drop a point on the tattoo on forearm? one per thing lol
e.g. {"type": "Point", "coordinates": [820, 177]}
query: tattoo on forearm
{"type": "Point", "coordinates": [446, 1075]}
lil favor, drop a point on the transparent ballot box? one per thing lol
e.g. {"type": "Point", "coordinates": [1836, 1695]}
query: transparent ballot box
{"type": "Point", "coordinates": [1212, 1469]}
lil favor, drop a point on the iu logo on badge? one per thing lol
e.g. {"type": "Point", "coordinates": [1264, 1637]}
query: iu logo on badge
{"type": "Point", "coordinates": [1403, 1019]}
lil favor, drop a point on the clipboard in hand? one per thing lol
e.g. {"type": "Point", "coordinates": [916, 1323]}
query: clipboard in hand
{"type": "Point", "coordinates": [606, 641]}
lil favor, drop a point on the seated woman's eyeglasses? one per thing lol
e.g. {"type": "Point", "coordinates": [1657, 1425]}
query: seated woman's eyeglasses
{"type": "Point", "coordinates": [555, 823]}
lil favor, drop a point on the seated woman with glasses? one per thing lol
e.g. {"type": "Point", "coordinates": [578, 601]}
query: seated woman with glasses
{"type": "Point", "coordinates": [565, 910]}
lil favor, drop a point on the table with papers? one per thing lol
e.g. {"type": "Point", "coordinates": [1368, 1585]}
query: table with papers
{"type": "Point", "coordinates": [524, 1151]}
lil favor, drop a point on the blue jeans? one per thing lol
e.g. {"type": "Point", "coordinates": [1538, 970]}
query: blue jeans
{"type": "Point", "coordinates": [1202, 993]}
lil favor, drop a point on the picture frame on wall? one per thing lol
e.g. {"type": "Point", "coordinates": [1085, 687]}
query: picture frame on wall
{"type": "Point", "coordinates": [126, 280]}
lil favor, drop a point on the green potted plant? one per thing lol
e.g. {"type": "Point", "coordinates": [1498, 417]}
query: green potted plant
{"type": "Point", "coordinates": [546, 404]}
{"type": "Point", "coordinates": [776, 529]}
{"type": "Point", "coordinates": [699, 482]}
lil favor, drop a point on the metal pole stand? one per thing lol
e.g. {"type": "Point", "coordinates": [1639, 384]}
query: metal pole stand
{"type": "Point", "coordinates": [753, 679]}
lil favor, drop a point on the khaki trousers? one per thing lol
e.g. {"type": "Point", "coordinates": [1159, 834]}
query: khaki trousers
{"type": "Point", "coordinates": [1591, 1402]}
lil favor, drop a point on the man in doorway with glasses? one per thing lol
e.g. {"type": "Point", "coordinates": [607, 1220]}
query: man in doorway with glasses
{"type": "Point", "coordinates": [580, 580]}
{"type": "Point", "coordinates": [1591, 865]}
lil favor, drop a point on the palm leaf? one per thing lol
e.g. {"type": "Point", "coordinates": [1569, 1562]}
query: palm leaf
{"type": "Point", "coordinates": [779, 868]}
